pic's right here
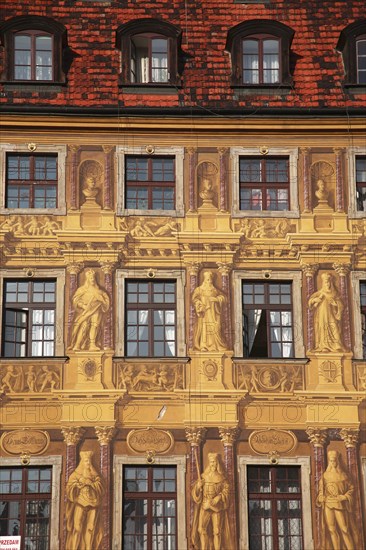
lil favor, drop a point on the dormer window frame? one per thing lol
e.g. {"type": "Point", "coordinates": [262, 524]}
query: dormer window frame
{"type": "Point", "coordinates": [149, 29]}
{"type": "Point", "coordinates": [260, 30]}
{"type": "Point", "coordinates": [348, 43]}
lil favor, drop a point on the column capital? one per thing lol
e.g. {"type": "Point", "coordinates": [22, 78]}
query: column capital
{"type": "Point", "coordinates": [108, 267]}
{"type": "Point", "coordinates": [317, 436]}
{"type": "Point", "coordinates": [72, 434]}
{"type": "Point", "coordinates": [195, 436]}
{"type": "Point", "coordinates": [342, 269]}
{"type": "Point", "coordinates": [74, 148]}
{"type": "Point", "coordinates": [105, 434]}
{"type": "Point", "coordinates": [305, 150]}
{"type": "Point", "coordinates": [74, 268]}
{"type": "Point", "coordinates": [192, 150]}
{"type": "Point", "coordinates": [107, 148]}
{"type": "Point", "coordinates": [224, 269]}
{"type": "Point", "coordinates": [338, 150]}
{"type": "Point", "coordinates": [309, 269]}
{"type": "Point", "coordinates": [350, 437]}
{"type": "Point", "coordinates": [229, 434]}
{"type": "Point", "coordinates": [222, 151]}
{"type": "Point", "coordinates": [194, 268]}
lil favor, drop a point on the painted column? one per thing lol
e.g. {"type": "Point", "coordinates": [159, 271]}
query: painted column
{"type": "Point", "coordinates": [224, 270]}
{"type": "Point", "coordinates": [73, 176]}
{"type": "Point", "coordinates": [193, 283]}
{"type": "Point", "coordinates": [73, 270]}
{"type": "Point", "coordinates": [310, 270]}
{"type": "Point", "coordinates": [72, 436]}
{"type": "Point", "coordinates": [339, 202]}
{"type": "Point", "coordinates": [343, 270]}
{"type": "Point", "coordinates": [351, 438]}
{"type": "Point", "coordinates": [195, 436]}
{"type": "Point", "coordinates": [107, 198]}
{"type": "Point", "coordinates": [105, 435]}
{"type": "Point", "coordinates": [318, 438]}
{"type": "Point", "coordinates": [306, 178]}
{"type": "Point", "coordinates": [223, 152]}
{"type": "Point", "coordinates": [228, 436]}
{"type": "Point", "coordinates": [192, 159]}
{"type": "Point", "coordinates": [107, 268]}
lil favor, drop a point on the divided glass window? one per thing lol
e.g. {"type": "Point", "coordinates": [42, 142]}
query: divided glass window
{"type": "Point", "coordinates": [29, 318]}
{"type": "Point", "coordinates": [25, 505]}
{"type": "Point", "coordinates": [267, 319]}
{"type": "Point", "coordinates": [33, 56]}
{"type": "Point", "coordinates": [149, 508]}
{"type": "Point", "coordinates": [31, 181]}
{"type": "Point", "coordinates": [361, 60]}
{"type": "Point", "coordinates": [264, 183]}
{"type": "Point", "coordinates": [261, 60]}
{"type": "Point", "coordinates": [150, 318]}
{"type": "Point", "coordinates": [361, 183]}
{"type": "Point", "coordinates": [150, 183]}
{"type": "Point", "coordinates": [149, 59]}
{"type": "Point", "coordinates": [274, 504]}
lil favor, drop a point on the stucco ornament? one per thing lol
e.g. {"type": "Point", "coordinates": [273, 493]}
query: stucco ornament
{"type": "Point", "coordinates": [328, 308]}
{"type": "Point", "coordinates": [211, 493]}
{"type": "Point", "coordinates": [84, 491]}
{"type": "Point", "coordinates": [90, 303]}
{"type": "Point", "coordinates": [336, 498]}
{"type": "Point", "coordinates": [208, 303]}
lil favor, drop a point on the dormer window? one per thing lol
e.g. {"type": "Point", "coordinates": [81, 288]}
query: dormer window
{"type": "Point", "coordinates": [260, 53]}
{"type": "Point", "coordinates": [33, 56]}
{"type": "Point", "coordinates": [150, 52]}
{"type": "Point", "coordinates": [352, 44]}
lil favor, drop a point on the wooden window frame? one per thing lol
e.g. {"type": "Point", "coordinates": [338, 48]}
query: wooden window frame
{"type": "Point", "coordinates": [34, 24]}
{"type": "Point", "coordinates": [258, 29]}
{"type": "Point", "coordinates": [32, 183]}
{"type": "Point", "coordinates": [363, 316]}
{"type": "Point", "coordinates": [261, 38]}
{"type": "Point", "coordinates": [264, 185]}
{"type": "Point", "coordinates": [347, 45]}
{"type": "Point", "coordinates": [359, 184]}
{"type": "Point", "coordinates": [149, 37]}
{"type": "Point", "coordinates": [33, 34]}
{"type": "Point", "coordinates": [150, 183]}
{"type": "Point", "coordinates": [148, 28]}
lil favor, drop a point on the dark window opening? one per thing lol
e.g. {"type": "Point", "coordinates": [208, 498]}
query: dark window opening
{"type": "Point", "coordinates": [361, 183]}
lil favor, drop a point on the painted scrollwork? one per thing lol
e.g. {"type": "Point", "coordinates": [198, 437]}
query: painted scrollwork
{"type": "Point", "coordinates": [34, 225]}
{"type": "Point", "coordinates": [281, 379]}
{"type": "Point", "coordinates": [35, 379]}
{"type": "Point", "coordinates": [264, 229]}
{"type": "Point", "coordinates": [150, 378]}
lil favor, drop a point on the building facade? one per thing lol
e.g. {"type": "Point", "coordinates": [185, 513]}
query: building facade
{"type": "Point", "coordinates": [183, 274]}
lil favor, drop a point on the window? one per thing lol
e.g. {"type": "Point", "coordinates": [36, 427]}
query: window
{"type": "Point", "coordinates": [361, 183]}
{"type": "Point", "coordinates": [352, 44]}
{"type": "Point", "coordinates": [274, 508]}
{"type": "Point", "coordinates": [150, 318]}
{"type": "Point", "coordinates": [31, 181]}
{"type": "Point", "coordinates": [363, 316]}
{"type": "Point", "coordinates": [264, 183]}
{"type": "Point", "coordinates": [149, 507]}
{"type": "Point", "coordinates": [150, 183]}
{"type": "Point", "coordinates": [267, 319]}
{"type": "Point", "coordinates": [35, 48]}
{"type": "Point", "coordinates": [260, 53]}
{"type": "Point", "coordinates": [25, 506]}
{"type": "Point", "coordinates": [29, 318]}
{"type": "Point", "coordinates": [150, 50]}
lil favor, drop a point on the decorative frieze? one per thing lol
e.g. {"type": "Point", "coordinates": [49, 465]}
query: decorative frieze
{"type": "Point", "coordinates": [147, 378]}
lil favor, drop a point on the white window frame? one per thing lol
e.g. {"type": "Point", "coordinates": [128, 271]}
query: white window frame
{"type": "Point", "coordinates": [177, 153]}
{"type": "Point", "coordinates": [59, 276]}
{"type": "Point", "coordinates": [304, 463]}
{"type": "Point", "coordinates": [356, 278]}
{"type": "Point", "coordinates": [266, 276]}
{"type": "Point", "coordinates": [61, 151]}
{"type": "Point", "coordinates": [352, 153]}
{"type": "Point", "coordinates": [126, 460]}
{"type": "Point", "coordinates": [293, 154]}
{"type": "Point", "coordinates": [56, 463]}
{"type": "Point", "coordinates": [179, 277]}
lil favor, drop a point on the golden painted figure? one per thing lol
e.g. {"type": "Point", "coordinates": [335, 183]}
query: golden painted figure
{"type": "Point", "coordinates": [210, 529]}
{"type": "Point", "coordinates": [208, 303]}
{"type": "Point", "coordinates": [337, 501]}
{"type": "Point", "coordinates": [90, 303]}
{"type": "Point", "coordinates": [328, 308]}
{"type": "Point", "coordinates": [84, 491]}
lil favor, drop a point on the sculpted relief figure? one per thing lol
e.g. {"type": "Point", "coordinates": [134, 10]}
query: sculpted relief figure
{"type": "Point", "coordinates": [210, 529]}
{"type": "Point", "coordinates": [90, 303]}
{"type": "Point", "coordinates": [335, 497]}
{"type": "Point", "coordinates": [328, 308]}
{"type": "Point", "coordinates": [208, 303]}
{"type": "Point", "coordinates": [84, 492]}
